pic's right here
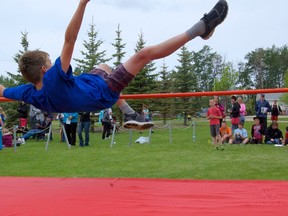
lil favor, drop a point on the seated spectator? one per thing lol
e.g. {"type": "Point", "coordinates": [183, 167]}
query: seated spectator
{"type": "Point", "coordinates": [273, 134]}
{"type": "Point", "coordinates": [240, 135]}
{"type": "Point", "coordinates": [257, 132]}
{"type": "Point", "coordinates": [7, 138]}
{"type": "Point", "coordinates": [40, 128]}
{"type": "Point", "coordinates": [286, 136]}
{"type": "Point", "coordinates": [225, 133]}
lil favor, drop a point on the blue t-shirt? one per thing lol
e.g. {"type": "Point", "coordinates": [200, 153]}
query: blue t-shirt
{"type": "Point", "coordinates": [63, 92]}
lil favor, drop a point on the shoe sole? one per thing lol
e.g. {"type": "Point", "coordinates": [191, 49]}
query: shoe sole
{"type": "Point", "coordinates": [206, 35]}
{"type": "Point", "coordinates": [138, 125]}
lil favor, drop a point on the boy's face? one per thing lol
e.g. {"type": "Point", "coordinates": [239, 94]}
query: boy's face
{"type": "Point", "coordinates": [48, 63]}
{"type": "Point", "coordinates": [240, 126]}
{"type": "Point", "coordinates": [212, 103]}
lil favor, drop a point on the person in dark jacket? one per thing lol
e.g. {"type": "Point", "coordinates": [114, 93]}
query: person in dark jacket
{"type": "Point", "coordinates": [235, 113]}
{"type": "Point", "coordinates": [23, 109]}
{"type": "Point", "coordinates": [84, 124]}
{"type": "Point", "coordinates": [262, 107]}
{"type": "Point", "coordinates": [273, 134]}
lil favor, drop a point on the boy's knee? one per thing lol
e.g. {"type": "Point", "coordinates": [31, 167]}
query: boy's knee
{"type": "Point", "coordinates": [144, 54]}
{"type": "Point", "coordinates": [105, 68]}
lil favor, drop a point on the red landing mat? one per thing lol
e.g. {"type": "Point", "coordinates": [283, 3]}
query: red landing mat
{"type": "Point", "coordinates": [21, 196]}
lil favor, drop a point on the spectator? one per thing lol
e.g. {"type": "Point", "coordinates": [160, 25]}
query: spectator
{"type": "Point", "coordinates": [235, 113]}
{"type": "Point", "coordinates": [60, 118]}
{"type": "Point", "coordinates": [273, 134]}
{"type": "Point", "coordinates": [7, 138]}
{"type": "Point", "coordinates": [221, 108]}
{"type": "Point", "coordinates": [70, 124]}
{"type": "Point", "coordinates": [3, 117]}
{"type": "Point", "coordinates": [276, 110]}
{"type": "Point", "coordinates": [106, 122]}
{"type": "Point", "coordinates": [40, 128]}
{"type": "Point", "coordinates": [214, 115]}
{"type": "Point", "coordinates": [240, 135]}
{"type": "Point", "coordinates": [23, 109]}
{"type": "Point", "coordinates": [225, 133]}
{"type": "Point", "coordinates": [242, 109]}
{"type": "Point", "coordinates": [36, 117]}
{"type": "Point", "coordinates": [146, 114]}
{"type": "Point", "coordinates": [262, 107]}
{"type": "Point", "coordinates": [286, 136]}
{"type": "Point", "coordinates": [84, 124]}
{"type": "Point", "coordinates": [257, 132]}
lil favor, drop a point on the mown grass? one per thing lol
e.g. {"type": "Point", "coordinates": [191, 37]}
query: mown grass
{"type": "Point", "coordinates": [183, 159]}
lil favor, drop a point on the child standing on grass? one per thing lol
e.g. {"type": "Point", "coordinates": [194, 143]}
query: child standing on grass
{"type": "Point", "coordinates": [214, 115]}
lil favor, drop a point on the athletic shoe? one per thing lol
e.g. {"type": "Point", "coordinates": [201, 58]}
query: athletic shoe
{"type": "Point", "coordinates": [134, 117]}
{"type": "Point", "coordinates": [216, 16]}
{"type": "Point", "coordinates": [21, 141]}
{"type": "Point", "coordinates": [136, 121]}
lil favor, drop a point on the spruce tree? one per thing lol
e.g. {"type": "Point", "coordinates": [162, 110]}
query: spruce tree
{"type": "Point", "coordinates": [92, 56]}
{"type": "Point", "coordinates": [165, 105]}
{"type": "Point", "coordinates": [144, 82]}
{"type": "Point", "coordinates": [118, 55]}
{"type": "Point", "coordinates": [184, 81]}
{"type": "Point", "coordinates": [14, 80]}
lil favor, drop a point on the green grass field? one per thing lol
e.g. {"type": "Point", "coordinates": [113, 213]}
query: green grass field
{"type": "Point", "coordinates": [181, 159]}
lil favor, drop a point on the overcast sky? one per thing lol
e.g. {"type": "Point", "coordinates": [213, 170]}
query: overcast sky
{"type": "Point", "coordinates": [250, 24]}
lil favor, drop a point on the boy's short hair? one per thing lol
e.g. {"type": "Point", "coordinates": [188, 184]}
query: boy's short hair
{"type": "Point", "coordinates": [31, 63]}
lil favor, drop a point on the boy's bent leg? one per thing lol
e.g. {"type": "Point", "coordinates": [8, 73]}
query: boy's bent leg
{"type": "Point", "coordinates": [204, 28]}
{"type": "Point", "coordinates": [133, 120]}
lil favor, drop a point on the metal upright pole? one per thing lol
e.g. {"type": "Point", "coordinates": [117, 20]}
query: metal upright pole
{"type": "Point", "coordinates": [14, 137]}
{"type": "Point", "coordinates": [113, 135]}
{"type": "Point", "coordinates": [49, 136]}
{"type": "Point", "coordinates": [194, 131]}
{"type": "Point", "coordinates": [170, 132]}
{"type": "Point", "coordinates": [130, 138]}
{"type": "Point", "coordinates": [65, 135]}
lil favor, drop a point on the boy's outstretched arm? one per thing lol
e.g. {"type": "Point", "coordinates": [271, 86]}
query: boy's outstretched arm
{"type": "Point", "coordinates": [71, 35]}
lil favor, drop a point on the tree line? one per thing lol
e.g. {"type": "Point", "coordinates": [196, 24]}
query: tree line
{"type": "Point", "coordinates": [204, 70]}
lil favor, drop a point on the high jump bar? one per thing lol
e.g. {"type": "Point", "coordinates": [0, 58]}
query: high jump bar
{"type": "Point", "coordinates": [192, 94]}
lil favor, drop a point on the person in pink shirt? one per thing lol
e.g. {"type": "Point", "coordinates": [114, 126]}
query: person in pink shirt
{"type": "Point", "coordinates": [242, 109]}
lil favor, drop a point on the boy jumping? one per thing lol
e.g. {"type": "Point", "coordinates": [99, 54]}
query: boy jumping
{"type": "Point", "coordinates": [55, 89]}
